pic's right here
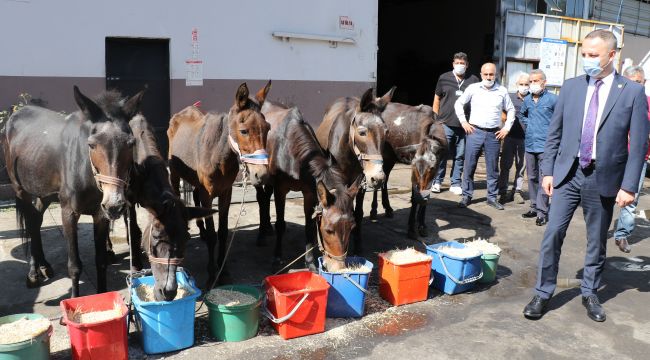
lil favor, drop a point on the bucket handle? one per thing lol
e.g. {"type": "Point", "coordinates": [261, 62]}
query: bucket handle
{"type": "Point", "coordinates": [268, 314]}
{"type": "Point", "coordinates": [459, 282]}
{"type": "Point", "coordinates": [356, 284]}
{"type": "Point", "coordinates": [431, 277]}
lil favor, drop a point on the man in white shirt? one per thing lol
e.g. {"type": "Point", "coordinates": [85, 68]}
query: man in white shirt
{"type": "Point", "coordinates": [488, 100]}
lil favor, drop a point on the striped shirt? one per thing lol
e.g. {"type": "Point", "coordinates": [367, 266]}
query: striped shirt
{"type": "Point", "coordinates": [487, 106]}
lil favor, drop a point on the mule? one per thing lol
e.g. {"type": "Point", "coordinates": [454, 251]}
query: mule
{"type": "Point", "coordinates": [206, 150]}
{"type": "Point", "coordinates": [166, 232]}
{"type": "Point", "coordinates": [416, 138]}
{"type": "Point", "coordinates": [83, 161]}
{"type": "Point", "coordinates": [353, 133]}
{"type": "Point", "coordinates": [297, 163]}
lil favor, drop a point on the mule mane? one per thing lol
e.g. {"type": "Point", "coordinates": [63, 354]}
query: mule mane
{"type": "Point", "coordinates": [111, 101]}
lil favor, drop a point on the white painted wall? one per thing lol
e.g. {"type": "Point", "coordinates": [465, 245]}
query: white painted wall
{"type": "Point", "coordinates": [66, 37]}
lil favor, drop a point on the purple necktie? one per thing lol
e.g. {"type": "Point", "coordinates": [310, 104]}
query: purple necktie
{"type": "Point", "coordinates": [588, 128]}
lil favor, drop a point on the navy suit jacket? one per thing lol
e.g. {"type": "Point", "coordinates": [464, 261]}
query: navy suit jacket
{"type": "Point", "coordinates": [625, 112]}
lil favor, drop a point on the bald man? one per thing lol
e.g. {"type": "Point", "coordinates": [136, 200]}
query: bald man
{"type": "Point", "coordinates": [484, 131]}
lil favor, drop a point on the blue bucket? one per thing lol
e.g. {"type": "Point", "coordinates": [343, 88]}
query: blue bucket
{"type": "Point", "coordinates": [347, 294]}
{"type": "Point", "coordinates": [452, 274]}
{"type": "Point", "coordinates": [165, 325]}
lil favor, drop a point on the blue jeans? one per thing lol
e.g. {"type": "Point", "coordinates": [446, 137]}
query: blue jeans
{"type": "Point", "coordinates": [456, 140]}
{"type": "Point", "coordinates": [625, 223]}
{"type": "Point", "coordinates": [487, 141]}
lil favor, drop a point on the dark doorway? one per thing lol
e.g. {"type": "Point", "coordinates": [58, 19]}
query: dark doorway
{"type": "Point", "coordinates": [133, 64]}
{"type": "Point", "coordinates": [418, 38]}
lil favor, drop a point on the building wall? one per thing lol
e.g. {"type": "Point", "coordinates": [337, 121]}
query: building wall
{"type": "Point", "coordinates": [50, 45]}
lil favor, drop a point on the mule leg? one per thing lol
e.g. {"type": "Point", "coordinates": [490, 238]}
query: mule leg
{"type": "Point", "coordinates": [373, 206]}
{"type": "Point", "coordinates": [280, 227]}
{"type": "Point", "coordinates": [44, 268]}
{"type": "Point", "coordinates": [422, 228]}
{"type": "Point", "coordinates": [69, 220]}
{"type": "Point", "coordinates": [388, 211]}
{"type": "Point", "coordinates": [200, 223]}
{"type": "Point", "coordinates": [222, 235]}
{"type": "Point", "coordinates": [135, 239]}
{"type": "Point", "coordinates": [101, 227]}
{"type": "Point", "coordinates": [27, 216]}
{"type": "Point", "coordinates": [412, 230]}
{"type": "Point", "coordinates": [309, 202]}
{"type": "Point", "coordinates": [358, 218]}
{"type": "Point", "coordinates": [209, 235]}
{"type": "Point", "coordinates": [263, 194]}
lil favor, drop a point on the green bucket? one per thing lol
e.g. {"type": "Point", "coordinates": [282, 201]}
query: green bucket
{"type": "Point", "coordinates": [489, 262]}
{"type": "Point", "coordinates": [238, 322]}
{"type": "Point", "coordinates": [35, 349]}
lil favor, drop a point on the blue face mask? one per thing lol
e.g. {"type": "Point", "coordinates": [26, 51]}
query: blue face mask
{"type": "Point", "coordinates": [591, 66]}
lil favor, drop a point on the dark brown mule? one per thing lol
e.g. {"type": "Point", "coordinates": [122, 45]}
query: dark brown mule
{"type": "Point", "coordinates": [353, 132]}
{"type": "Point", "coordinates": [415, 138]}
{"type": "Point", "coordinates": [166, 233]}
{"type": "Point", "coordinates": [206, 150]}
{"type": "Point", "coordinates": [83, 160]}
{"type": "Point", "coordinates": [297, 163]}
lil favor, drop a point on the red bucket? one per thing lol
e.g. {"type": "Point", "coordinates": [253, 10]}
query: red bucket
{"type": "Point", "coordinates": [296, 303]}
{"type": "Point", "coordinates": [404, 284]}
{"type": "Point", "coordinates": [100, 340]}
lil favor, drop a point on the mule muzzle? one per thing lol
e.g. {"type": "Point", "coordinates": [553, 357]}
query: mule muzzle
{"type": "Point", "coordinates": [114, 205]}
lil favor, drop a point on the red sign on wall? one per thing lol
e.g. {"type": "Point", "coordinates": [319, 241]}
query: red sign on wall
{"type": "Point", "coordinates": [346, 23]}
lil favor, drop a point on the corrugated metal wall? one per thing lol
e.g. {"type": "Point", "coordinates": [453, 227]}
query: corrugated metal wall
{"type": "Point", "coordinates": [634, 14]}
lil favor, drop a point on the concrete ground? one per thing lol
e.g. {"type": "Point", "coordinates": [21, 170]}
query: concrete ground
{"type": "Point", "coordinates": [486, 323]}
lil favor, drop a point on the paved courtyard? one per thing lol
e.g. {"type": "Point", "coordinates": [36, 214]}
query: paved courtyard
{"type": "Point", "coordinates": [486, 323]}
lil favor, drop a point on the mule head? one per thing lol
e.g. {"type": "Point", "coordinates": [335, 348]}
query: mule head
{"type": "Point", "coordinates": [165, 239]}
{"type": "Point", "coordinates": [110, 146]}
{"type": "Point", "coordinates": [248, 133]}
{"type": "Point", "coordinates": [368, 135]}
{"type": "Point", "coordinates": [425, 168]}
{"type": "Point", "coordinates": [335, 221]}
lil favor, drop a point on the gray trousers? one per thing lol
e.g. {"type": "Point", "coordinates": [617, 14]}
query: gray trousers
{"type": "Point", "coordinates": [580, 188]}
{"type": "Point", "coordinates": [512, 152]}
{"type": "Point", "coordinates": [538, 198]}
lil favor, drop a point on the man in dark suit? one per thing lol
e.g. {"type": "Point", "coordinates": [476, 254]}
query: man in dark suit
{"type": "Point", "coordinates": [586, 162]}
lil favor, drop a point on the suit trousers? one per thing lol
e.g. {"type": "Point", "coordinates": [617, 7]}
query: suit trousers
{"type": "Point", "coordinates": [580, 188]}
{"type": "Point", "coordinates": [474, 142]}
{"type": "Point", "coordinates": [538, 198]}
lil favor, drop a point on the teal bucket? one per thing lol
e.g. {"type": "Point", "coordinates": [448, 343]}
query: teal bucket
{"type": "Point", "coordinates": [37, 348]}
{"type": "Point", "coordinates": [489, 262]}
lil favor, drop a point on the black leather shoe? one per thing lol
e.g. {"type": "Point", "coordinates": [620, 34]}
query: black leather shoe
{"type": "Point", "coordinates": [464, 202]}
{"type": "Point", "coordinates": [536, 307]}
{"type": "Point", "coordinates": [541, 221]}
{"type": "Point", "coordinates": [623, 245]}
{"type": "Point", "coordinates": [529, 215]}
{"type": "Point", "coordinates": [495, 205]}
{"type": "Point", "coordinates": [595, 311]}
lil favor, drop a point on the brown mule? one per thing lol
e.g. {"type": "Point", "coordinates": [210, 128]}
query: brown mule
{"type": "Point", "coordinates": [206, 150]}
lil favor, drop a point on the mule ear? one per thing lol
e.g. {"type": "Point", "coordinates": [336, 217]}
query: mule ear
{"type": "Point", "coordinates": [356, 185]}
{"type": "Point", "coordinates": [366, 103]}
{"type": "Point", "coordinates": [241, 98]}
{"type": "Point", "coordinates": [90, 109]}
{"type": "Point", "coordinates": [325, 197]}
{"type": "Point", "coordinates": [261, 95]}
{"type": "Point", "coordinates": [132, 106]}
{"type": "Point", "coordinates": [384, 100]}
{"type": "Point", "coordinates": [198, 213]}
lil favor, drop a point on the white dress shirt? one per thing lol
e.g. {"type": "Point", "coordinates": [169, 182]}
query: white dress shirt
{"type": "Point", "coordinates": [487, 106]}
{"type": "Point", "coordinates": [603, 92]}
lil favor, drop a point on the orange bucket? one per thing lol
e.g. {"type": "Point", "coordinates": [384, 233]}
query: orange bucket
{"type": "Point", "coordinates": [296, 303]}
{"type": "Point", "coordinates": [404, 284]}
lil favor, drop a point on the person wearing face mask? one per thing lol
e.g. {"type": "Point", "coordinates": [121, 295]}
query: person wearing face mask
{"type": "Point", "coordinates": [536, 113]}
{"type": "Point", "coordinates": [512, 150]}
{"type": "Point", "coordinates": [586, 162]}
{"type": "Point", "coordinates": [449, 88]}
{"type": "Point", "coordinates": [484, 131]}
{"type": "Point", "coordinates": [625, 223]}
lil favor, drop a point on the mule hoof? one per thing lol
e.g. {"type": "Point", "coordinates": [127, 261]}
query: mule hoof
{"type": "Point", "coordinates": [312, 267]}
{"type": "Point", "coordinates": [423, 231]}
{"type": "Point", "coordinates": [33, 281]}
{"type": "Point", "coordinates": [389, 213]}
{"type": "Point", "coordinates": [46, 271]}
{"type": "Point", "coordinates": [277, 265]}
{"type": "Point", "coordinates": [412, 234]}
{"type": "Point", "coordinates": [267, 229]}
{"type": "Point", "coordinates": [373, 215]}
{"type": "Point", "coordinates": [261, 240]}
